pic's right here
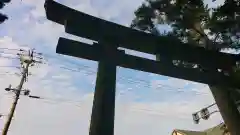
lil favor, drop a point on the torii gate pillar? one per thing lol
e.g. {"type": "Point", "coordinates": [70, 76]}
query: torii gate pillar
{"type": "Point", "coordinates": [103, 110]}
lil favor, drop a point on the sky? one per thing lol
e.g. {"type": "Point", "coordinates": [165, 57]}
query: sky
{"type": "Point", "coordinates": [145, 103]}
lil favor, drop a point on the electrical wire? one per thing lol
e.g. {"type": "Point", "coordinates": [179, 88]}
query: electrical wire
{"type": "Point", "coordinates": [4, 94]}
{"type": "Point", "coordinates": [88, 71]}
{"type": "Point", "coordinates": [58, 101]}
{"type": "Point", "coordinates": [70, 62]}
{"type": "Point", "coordinates": [2, 48]}
{"type": "Point", "coordinates": [129, 80]}
{"type": "Point", "coordinates": [2, 115]}
{"type": "Point", "coordinates": [9, 67]}
{"type": "Point", "coordinates": [77, 64]}
{"type": "Point", "coordinates": [85, 67]}
{"type": "Point", "coordinates": [5, 57]}
{"type": "Point", "coordinates": [7, 74]}
{"type": "Point", "coordinates": [5, 52]}
{"type": "Point", "coordinates": [139, 82]}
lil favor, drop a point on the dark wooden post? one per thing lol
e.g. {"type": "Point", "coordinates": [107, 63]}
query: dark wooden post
{"type": "Point", "coordinates": [103, 111]}
{"type": "Point", "coordinates": [227, 108]}
{"type": "Point", "coordinates": [225, 103]}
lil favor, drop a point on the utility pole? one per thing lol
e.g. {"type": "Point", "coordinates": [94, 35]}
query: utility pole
{"type": "Point", "coordinates": [26, 61]}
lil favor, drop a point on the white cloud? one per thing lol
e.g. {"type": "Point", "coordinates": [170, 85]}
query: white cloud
{"type": "Point", "coordinates": [177, 83]}
{"type": "Point", "coordinates": [50, 117]}
{"type": "Point", "coordinates": [29, 109]}
{"type": "Point", "coordinates": [159, 118]}
{"type": "Point", "coordinates": [214, 4]}
{"type": "Point", "coordinates": [122, 10]}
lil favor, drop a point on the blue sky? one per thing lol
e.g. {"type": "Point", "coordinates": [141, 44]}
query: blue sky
{"type": "Point", "coordinates": [142, 106]}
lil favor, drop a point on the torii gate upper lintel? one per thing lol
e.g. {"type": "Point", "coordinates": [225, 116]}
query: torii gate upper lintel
{"type": "Point", "coordinates": [86, 26]}
{"type": "Point", "coordinates": [108, 35]}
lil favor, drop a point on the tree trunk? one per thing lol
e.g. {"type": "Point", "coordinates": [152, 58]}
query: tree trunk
{"type": "Point", "coordinates": [226, 105]}
{"type": "Point", "coordinates": [227, 108]}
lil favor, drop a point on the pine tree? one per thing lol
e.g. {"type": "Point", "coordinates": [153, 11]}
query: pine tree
{"type": "Point", "coordinates": [3, 17]}
{"type": "Point", "coordinates": [193, 22]}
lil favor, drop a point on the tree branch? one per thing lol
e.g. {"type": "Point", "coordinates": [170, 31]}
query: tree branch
{"type": "Point", "coordinates": [3, 18]}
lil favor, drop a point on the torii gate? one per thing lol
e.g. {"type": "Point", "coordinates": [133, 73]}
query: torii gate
{"type": "Point", "coordinates": [110, 36]}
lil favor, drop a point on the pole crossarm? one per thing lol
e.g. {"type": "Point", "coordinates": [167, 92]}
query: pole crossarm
{"type": "Point", "coordinates": [94, 52]}
{"type": "Point", "coordinates": [86, 26]}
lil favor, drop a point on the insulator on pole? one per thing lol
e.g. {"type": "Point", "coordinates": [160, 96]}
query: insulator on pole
{"type": "Point", "coordinates": [32, 54]}
{"type": "Point", "coordinates": [205, 114]}
{"type": "Point", "coordinates": [26, 93]}
{"type": "Point", "coordinates": [9, 88]}
{"type": "Point", "coordinates": [196, 118]}
{"type": "Point", "coordinates": [37, 97]}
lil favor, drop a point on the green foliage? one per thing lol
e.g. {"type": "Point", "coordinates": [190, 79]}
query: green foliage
{"type": "Point", "coordinates": [193, 21]}
{"type": "Point", "coordinates": [2, 16]}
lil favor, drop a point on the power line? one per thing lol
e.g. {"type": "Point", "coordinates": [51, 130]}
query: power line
{"type": "Point", "coordinates": [8, 53]}
{"type": "Point", "coordinates": [9, 67]}
{"type": "Point", "coordinates": [13, 49]}
{"type": "Point", "coordinates": [121, 78]}
{"type": "Point", "coordinates": [131, 80]}
{"type": "Point", "coordinates": [56, 101]}
{"type": "Point", "coordinates": [92, 72]}
{"type": "Point", "coordinates": [4, 74]}
{"type": "Point", "coordinates": [2, 115]}
{"type": "Point", "coordinates": [5, 57]}
{"type": "Point", "coordinates": [59, 101]}
{"type": "Point", "coordinates": [4, 94]}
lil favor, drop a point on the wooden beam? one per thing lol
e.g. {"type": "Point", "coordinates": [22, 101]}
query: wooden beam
{"type": "Point", "coordinates": [94, 52]}
{"type": "Point", "coordinates": [103, 108]}
{"type": "Point", "coordinates": [84, 25]}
